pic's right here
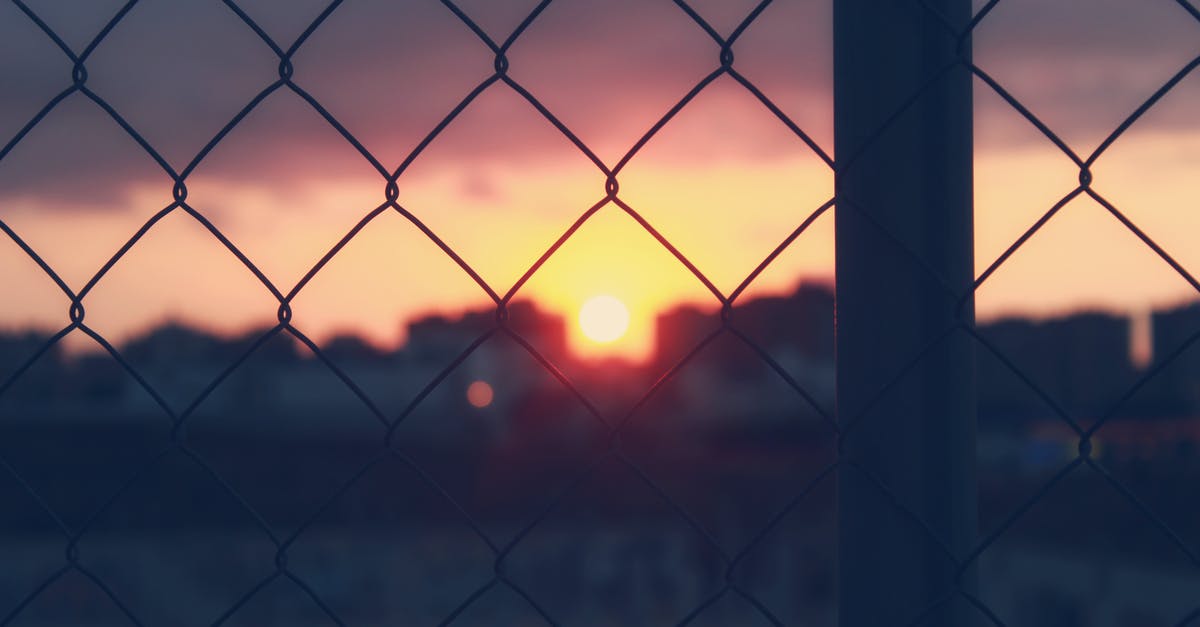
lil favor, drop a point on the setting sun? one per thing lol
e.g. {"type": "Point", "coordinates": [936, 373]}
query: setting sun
{"type": "Point", "coordinates": [604, 319]}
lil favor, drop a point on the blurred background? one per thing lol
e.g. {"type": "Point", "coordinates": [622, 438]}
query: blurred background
{"type": "Point", "coordinates": [169, 437]}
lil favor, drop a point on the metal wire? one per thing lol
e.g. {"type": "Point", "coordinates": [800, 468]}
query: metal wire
{"type": "Point", "coordinates": [1084, 456]}
{"type": "Point", "coordinates": [615, 425]}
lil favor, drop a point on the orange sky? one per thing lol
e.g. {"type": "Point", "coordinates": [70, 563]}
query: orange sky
{"type": "Point", "coordinates": [725, 216]}
{"type": "Point", "coordinates": [723, 181]}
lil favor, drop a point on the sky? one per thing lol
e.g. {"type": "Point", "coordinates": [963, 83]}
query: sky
{"type": "Point", "coordinates": [724, 181]}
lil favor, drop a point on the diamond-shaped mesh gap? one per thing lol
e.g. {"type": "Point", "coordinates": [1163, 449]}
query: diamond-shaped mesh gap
{"type": "Point", "coordinates": [504, 462]}
{"type": "Point", "coordinates": [391, 520]}
{"type": "Point", "coordinates": [697, 164]}
{"type": "Point", "coordinates": [178, 248]}
{"type": "Point", "coordinates": [588, 89]}
{"type": "Point", "coordinates": [1107, 261]}
{"type": "Point", "coordinates": [226, 66]}
{"type": "Point", "coordinates": [388, 273]}
{"type": "Point", "coordinates": [1008, 149]}
{"type": "Point", "coordinates": [158, 506]}
{"type": "Point", "coordinates": [790, 566]}
{"type": "Point", "coordinates": [97, 217]}
{"type": "Point", "coordinates": [1082, 362]}
{"type": "Point", "coordinates": [284, 217]}
{"type": "Point", "coordinates": [241, 428]}
{"type": "Point", "coordinates": [793, 71]}
{"type": "Point", "coordinates": [732, 480]}
{"type": "Point", "coordinates": [649, 566]}
{"type": "Point", "coordinates": [1061, 535]}
{"type": "Point", "coordinates": [429, 59]}
{"type": "Point", "coordinates": [482, 166]}
{"type": "Point", "coordinates": [1097, 84]}
{"type": "Point", "coordinates": [186, 449]}
{"type": "Point", "coordinates": [642, 275]}
{"type": "Point", "coordinates": [115, 430]}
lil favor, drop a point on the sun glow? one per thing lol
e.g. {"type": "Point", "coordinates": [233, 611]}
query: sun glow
{"type": "Point", "coordinates": [604, 319]}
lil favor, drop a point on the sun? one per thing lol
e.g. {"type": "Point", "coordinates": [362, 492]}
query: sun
{"type": "Point", "coordinates": [604, 319]}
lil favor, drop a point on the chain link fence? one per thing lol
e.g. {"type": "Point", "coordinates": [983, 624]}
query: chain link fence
{"type": "Point", "coordinates": [957, 587]}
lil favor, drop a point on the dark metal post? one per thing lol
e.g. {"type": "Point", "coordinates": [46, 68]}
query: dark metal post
{"type": "Point", "coordinates": [914, 180]}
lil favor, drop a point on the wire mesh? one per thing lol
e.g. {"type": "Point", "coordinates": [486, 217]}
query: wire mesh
{"type": "Point", "coordinates": [1085, 435]}
{"type": "Point", "coordinates": [608, 175]}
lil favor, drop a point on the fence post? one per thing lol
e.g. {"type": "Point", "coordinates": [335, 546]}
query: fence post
{"type": "Point", "coordinates": [913, 180]}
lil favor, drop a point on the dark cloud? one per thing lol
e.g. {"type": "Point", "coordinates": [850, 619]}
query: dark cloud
{"type": "Point", "coordinates": [180, 70]}
{"type": "Point", "coordinates": [1084, 67]}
